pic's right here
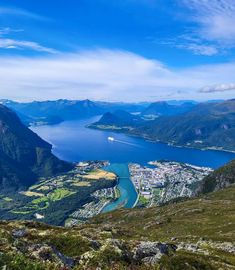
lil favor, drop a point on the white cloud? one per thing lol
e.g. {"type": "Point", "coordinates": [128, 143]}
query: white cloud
{"type": "Point", "coordinates": [218, 88]}
{"type": "Point", "coordinates": [199, 49]}
{"type": "Point", "coordinates": [208, 27]}
{"type": "Point", "coordinates": [8, 30]}
{"type": "Point", "coordinates": [106, 75]}
{"type": "Point", "coordinates": [13, 11]}
{"type": "Point", "coordinates": [216, 19]}
{"type": "Point", "coordinates": [191, 43]}
{"type": "Point", "coordinates": [7, 43]}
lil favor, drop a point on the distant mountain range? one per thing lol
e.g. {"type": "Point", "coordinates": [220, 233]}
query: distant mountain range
{"type": "Point", "coordinates": [164, 108]}
{"type": "Point", "coordinates": [53, 112]}
{"type": "Point", "coordinates": [56, 111]}
{"type": "Point", "coordinates": [24, 156]}
{"type": "Point", "coordinates": [210, 124]}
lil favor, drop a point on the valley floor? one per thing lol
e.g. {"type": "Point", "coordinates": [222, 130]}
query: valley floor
{"type": "Point", "coordinates": [64, 198]}
{"type": "Point", "coordinates": [73, 198]}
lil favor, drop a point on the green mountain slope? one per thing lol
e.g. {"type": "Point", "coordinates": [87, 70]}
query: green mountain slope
{"type": "Point", "coordinates": [221, 178]}
{"type": "Point", "coordinates": [119, 118]}
{"type": "Point", "coordinates": [24, 156]}
{"type": "Point", "coordinates": [163, 108]}
{"type": "Point", "coordinates": [196, 234]}
{"type": "Point", "coordinates": [205, 125]}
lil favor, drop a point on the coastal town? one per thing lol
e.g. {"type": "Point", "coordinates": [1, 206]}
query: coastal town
{"type": "Point", "coordinates": [162, 181]}
{"type": "Point", "coordinates": [156, 183]}
{"type": "Point", "coordinates": [100, 199]}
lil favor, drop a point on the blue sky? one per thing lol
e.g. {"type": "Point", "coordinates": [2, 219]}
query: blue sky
{"type": "Point", "coordinates": [130, 50]}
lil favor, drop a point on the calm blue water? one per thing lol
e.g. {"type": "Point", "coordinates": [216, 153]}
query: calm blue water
{"type": "Point", "coordinates": [72, 141]}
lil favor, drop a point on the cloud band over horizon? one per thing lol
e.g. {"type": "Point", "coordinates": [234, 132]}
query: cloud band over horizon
{"type": "Point", "coordinates": [112, 75]}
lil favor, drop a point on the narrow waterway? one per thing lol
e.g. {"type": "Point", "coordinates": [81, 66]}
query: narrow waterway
{"type": "Point", "coordinates": [128, 194]}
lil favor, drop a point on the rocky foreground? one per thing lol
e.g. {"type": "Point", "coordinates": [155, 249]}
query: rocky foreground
{"type": "Point", "coordinates": [195, 234]}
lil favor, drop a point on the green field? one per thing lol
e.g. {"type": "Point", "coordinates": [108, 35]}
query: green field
{"type": "Point", "coordinates": [60, 193]}
{"type": "Point", "coordinates": [55, 197]}
{"type": "Point", "coordinates": [7, 199]}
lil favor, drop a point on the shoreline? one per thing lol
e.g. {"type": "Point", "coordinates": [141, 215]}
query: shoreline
{"type": "Point", "coordinates": [114, 199]}
{"type": "Point", "coordinates": [147, 138]}
{"type": "Point", "coordinates": [138, 194]}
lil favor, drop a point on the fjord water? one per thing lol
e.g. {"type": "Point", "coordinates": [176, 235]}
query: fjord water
{"type": "Point", "coordinates": [72, 141]}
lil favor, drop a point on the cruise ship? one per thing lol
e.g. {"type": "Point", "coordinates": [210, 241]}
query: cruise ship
{"type": "Point", "coordinates": [110, 139]}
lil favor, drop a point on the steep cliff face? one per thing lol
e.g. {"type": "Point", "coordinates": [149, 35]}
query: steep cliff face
{"type": "Point", "coordinates": [24, 156]}
{"type": "Point", "coordinates": [219, 179]}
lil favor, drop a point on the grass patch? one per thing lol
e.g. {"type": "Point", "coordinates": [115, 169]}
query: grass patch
{"type": "Point", "coordinates": [100, 174]}
{"type": "Point", "coordinates": [7, 199]}
{"type": "Point", "coordinates": [31, 194]}
{"type": "Point", "coordinates": [18, 262]}
{"type": "Point", "coordinates": [19, 212]}
{"type": "Point", "coordinates": [43, 188]}
{"type": "Point", "coordinates": [40, 200]}
{"type": "Point", "coordinates": [142, 201]}
{"type": "Point", "coordinates": [68, 244]}
{"type": "Point", "coordinates": [186, 261]}
{"type": "Point", "coordinates": [81, 184]}
{"type": "Point", "coordinates": [60, 193]}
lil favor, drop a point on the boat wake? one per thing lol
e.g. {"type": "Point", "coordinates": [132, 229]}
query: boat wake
{"type": "Point", "coordinates": [111, 139]}
{"type": "Point", "coordinates": [128, 143]}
